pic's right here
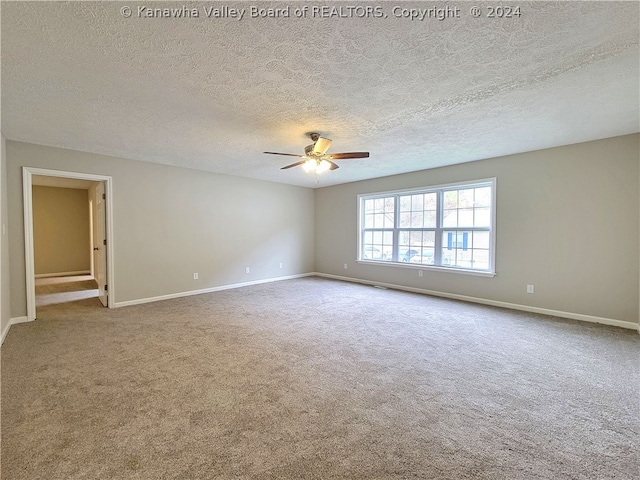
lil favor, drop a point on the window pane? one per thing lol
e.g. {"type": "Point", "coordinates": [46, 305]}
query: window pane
{"type": "Point", "coordinates": [368, 206]}
{"type": "Point", "coordinates": [423, 256]}
{"type": "Point", "coordinates": [372, 252]}
{"type": "Point", "coordinates": [450, 218]}
{"type": "Point", "coordinates": [465, 198]}
{"type": "Point", "coordinates": [466, 249]}
{"type": "Point", "coordinates": [402, 253]}
{"type": "Point", "coordinates": [463, 258]}
{"type": "Point", "coordinates": [389, 203]}
{"type": "Point", "coordinates": [428, 256]}
{"type": "Point", "coordinates": [368, 237]}
{"type": "Point", "coordinates": [403, 242]}
{"type": "Point", "coordinates": [368, 221]}
{"type": "Point", "coordinates": [418, 210]}
{"type": "Point", "coordinates": [480, 259]}
{"type": "Point", "coordinates": [453, 240]}
{"type": "Point", "coordinates": [451, 199]}
{"type": "Point", "coordinates": [405, 203]}
{"type": "Point", "coordinates": [377, 237]}
{"type": "Point", "coordinates": [483, 197]}
{"type": "Point", "coordinates": [388, 221]}
{"type": "Point", "coordinates": [430, 219]}
{"type": "Point", "coordinates": [430, 201]}
{"type": "Point", "coordinates": [416, 239]}
{"type": "Point", "coordinates": [465, 217]}
{"type": "Point", "coordinates": [417, 247]}
{"type": "Point", "coordinates": [481, 240]}
{"type": "Point", "coordinates": [429, 238]}
{"type": "Point", "coordinates": [482, 217]}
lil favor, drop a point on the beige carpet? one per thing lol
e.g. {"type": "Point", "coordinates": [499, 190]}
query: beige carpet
{"type": "Point", "coordinates": [317, 379]}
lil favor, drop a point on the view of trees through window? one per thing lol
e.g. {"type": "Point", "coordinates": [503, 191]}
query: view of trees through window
{"type": "Point", "coordinates": [447, 226]}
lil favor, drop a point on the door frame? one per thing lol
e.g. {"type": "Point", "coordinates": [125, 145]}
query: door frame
{"type": "Point", "coordinates": [27, 191]}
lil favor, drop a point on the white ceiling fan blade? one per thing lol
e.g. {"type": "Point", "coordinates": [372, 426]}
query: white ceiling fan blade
{"type": "Point", "coordinates": [321, 145]}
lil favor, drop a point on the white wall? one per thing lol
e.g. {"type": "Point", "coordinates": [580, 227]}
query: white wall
{"type": "Point", "coordinates": [170, 222]}
{"type": "Point", "coordinates": [567, 222]}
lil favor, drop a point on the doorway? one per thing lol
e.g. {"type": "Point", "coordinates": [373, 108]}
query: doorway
{"type": "Point", "coordinates": [93, 278]}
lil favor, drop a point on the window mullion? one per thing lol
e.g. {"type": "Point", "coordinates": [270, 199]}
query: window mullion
{"type": "Point", "coordinates": [362, 228]}
{"type": "Point", "coordinates": [396, 226]}
{"type": "Point", "coordinates": [437, 255]}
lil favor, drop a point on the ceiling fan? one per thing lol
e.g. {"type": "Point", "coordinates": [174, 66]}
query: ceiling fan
{"type": "Point", "coordinates": [316, 159]}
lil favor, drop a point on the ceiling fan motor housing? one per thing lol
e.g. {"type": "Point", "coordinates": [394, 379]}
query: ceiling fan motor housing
{"type": "Point", "coordinates": [316, 153]}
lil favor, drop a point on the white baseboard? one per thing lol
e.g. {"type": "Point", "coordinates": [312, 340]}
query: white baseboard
{"type": "Point", "coordinates": [4, 332]}
{"type": "Point", "coordinates": [63, 274]}
{"type": "Point", "coordinates": [13, 321]}
{"type": "Point", "coordinates": [208, 290]}
{"type": "Point", "coordinates": [494, 303]}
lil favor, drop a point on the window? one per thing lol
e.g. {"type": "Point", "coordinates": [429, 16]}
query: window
{"type": "Point", "coordinates": [450, 226]}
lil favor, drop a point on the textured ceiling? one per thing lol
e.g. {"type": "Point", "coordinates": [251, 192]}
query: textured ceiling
{"type": "Point", "coordinates": [214, 93]}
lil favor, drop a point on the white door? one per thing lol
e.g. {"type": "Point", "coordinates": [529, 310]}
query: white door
{"type": "Point", "coordinates": [100, 245]}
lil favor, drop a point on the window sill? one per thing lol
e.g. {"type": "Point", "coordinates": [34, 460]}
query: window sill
{"type": "Point", "coordinates": [416, 266]}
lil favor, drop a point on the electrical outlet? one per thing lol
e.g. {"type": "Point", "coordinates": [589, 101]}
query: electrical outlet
{"type": "Point", "coordinates": [531, 289]}
{"type": "Point", "coordinates": [345, 266]}
{"type": "Point", "coordinates": [420, 273]}
{"type": "Point", "coordinates": [195, 276]}
{"type": "Point", "coordinates": [247, 270]}
{"type": "Point", "coordinates": [280, 264]}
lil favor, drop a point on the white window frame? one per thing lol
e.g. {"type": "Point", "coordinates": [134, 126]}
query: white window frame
{"type": "Point", "coordinates": [439, 229]}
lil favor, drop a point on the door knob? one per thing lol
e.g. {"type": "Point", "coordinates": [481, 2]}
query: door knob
{"type": "Point", "coordinates": [95, 249]}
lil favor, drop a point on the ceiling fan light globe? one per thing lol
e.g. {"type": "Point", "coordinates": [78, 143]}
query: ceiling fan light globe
{"type": "Point", "coordinates": [322, 166]}
{"type": "Point", "coordinates": [309, 165]}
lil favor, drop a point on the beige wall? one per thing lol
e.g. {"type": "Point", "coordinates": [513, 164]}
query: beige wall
{"type": "Point", "coordinates": [60, 230]}
{"type": "Point", "coordinates": [4, 245]}
{"type": "Point", "coordinates": [170, 222]}
{"type": "Point", "coordinates": [567, 222]}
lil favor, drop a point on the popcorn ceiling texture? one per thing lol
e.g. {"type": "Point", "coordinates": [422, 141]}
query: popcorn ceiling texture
{"type": "Point", "coordinates": [213, 94]}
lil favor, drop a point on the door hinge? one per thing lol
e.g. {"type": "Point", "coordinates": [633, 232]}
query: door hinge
{"type": "Point", "coordinates": [104, 242]}
{"type": "Point", "coordinates": [104, 196]}
{"type": "Point", "coordinates": [106, 288]}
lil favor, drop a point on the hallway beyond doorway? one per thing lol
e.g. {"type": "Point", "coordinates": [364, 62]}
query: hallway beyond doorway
{"type": "Point", "coordinates": [54, 290]}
